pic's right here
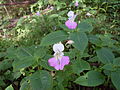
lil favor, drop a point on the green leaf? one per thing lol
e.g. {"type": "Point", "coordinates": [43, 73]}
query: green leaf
{"type": "Point", "coordinates": [105, 55]}
{"type": "Point", "coordinates": [25, 86]}
{"type": "Point", "coordinates": [9, 88]}
{"type": "Point", "coordinates": [108, 67]}
{"type": "Point", "coordinates": [5, 64]}
{"type": "Point", "coordinates": [65, 28]}
{"type": "Point", "coordinates": [54, 37]}
{"type": "Point", "coordinates": [39, 52]}
{"type": "Point", "coordinates": [23, 63]}
{"type": "Point", "coordinates": [93, 59]}
{"type": "Point", "coordinates": [2, 54]}
{"type": "Point", "coordinates": [107, 41]}
{"type": "Point", "coordinates": [41, 80]}
{"type": "Point", "coordinates": [107, 73]}
{"type": "Point", "coordinates": [80, 40]}
{"type": "Point", "coordinates": [27, 56]}
{"type": "Point", "coordinates": [95, 40]}
{"type": "Point", "coordinates": [115, 77]}
{"type": "Point", "coordinates": [79, 66]}
{"type": "Point", "coordinates": [44, 64]}
{"type": "Point", "coordinates": [16, 75]}
{"type": "Point", "coordinates": [116, 61]}
{"type": "Point", "coordinates": [64, 76]}
{"type": "Point", "coordinates": [59, 86]}
{"type": "Point", "coordinates": [92, 78]}
{"type": "Point", "coordinates": [24, 58]}
{"type": "Point", "coordinates": [85, 27]}
{"type": "Point", "coordinates": [11, 51]}
{"type": "Point", "coordinates": [53, 16]}
{"type": "Point", "coordinates": [25, 51]}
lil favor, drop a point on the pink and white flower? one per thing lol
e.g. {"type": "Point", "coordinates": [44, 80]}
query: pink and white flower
{"type": "Point", "coordinates": [59, 60]}
{"type": "Point", "coordinates": [70, 23]}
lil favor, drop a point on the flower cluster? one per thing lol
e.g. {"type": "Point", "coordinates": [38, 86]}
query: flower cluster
{"type": "Point", "coordinates": [59, 60]}
{"type": "Point", "coordinates": [70, 23]}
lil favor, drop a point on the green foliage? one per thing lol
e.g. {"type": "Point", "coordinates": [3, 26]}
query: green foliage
{"type": "Point", "coordinates": [25, 86]}
{"type": "Point", "coordinates": [54, 38]}
{"type": "Point", "coordinates": [105, 55]}
{"type": "Point", "coordinates": [116, 61]}
{"type": "Point", "coordinates": [85, 27]}
{"type": "Point", "coordinates": [6, 64]}
{"type": "Point", "coordinates": [109, 67]}
{"type": "Point", "coordinates": [92, 78]}
{"type": "Point", "coordinates": [39, 80]}
{"type": "Point", "coordinates": [79, 66]}
{"type": "Point", "coordinates": [80, 40]}
{"type": "Point", "coordinates": [26, 57]}
{"type": "Point", "coordinates": [115, 77]}
{"type": "Point", "coordinates": [25, 47]}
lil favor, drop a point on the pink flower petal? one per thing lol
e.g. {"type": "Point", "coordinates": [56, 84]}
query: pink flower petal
{"type": "Point", "coordinates": [71, 24]}
{"type": "Point", "coordinates": [64, 61]}
{"type": "Point", "coordinates": [53, 62]}
{"type": "Point", "coordinates": [76, 3]}
{"type": "Point", "coordinates": [57, 67]}
{"type": "Point", "coordinates": [59, 64]}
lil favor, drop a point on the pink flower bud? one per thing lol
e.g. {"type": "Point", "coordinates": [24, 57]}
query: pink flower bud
{"type": "Point", "coordinates": [76, 3]}
{"type": "Point", "coordinates": [88, 14]}
{"type": "Point", "coordinates": [70, 42]}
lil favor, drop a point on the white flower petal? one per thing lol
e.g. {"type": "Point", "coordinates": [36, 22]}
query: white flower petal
{"type": "Point", "coordinates": [70, 14]}
{"type": "Point", "coordinates": [58, 47]}
{"type": "Point", "coordinates": [72, 18]}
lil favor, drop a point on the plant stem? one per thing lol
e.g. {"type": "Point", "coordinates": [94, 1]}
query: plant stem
{"type": "Point", "coordinates": [7, 11]}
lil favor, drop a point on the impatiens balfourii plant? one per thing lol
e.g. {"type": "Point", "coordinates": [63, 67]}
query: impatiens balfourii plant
{"type": "Point", "coordinates": [88, 57]}
{"type": "Point", "coordinates": [59, 60]}
{"type": "Point", "coordinates": [70, 23]}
